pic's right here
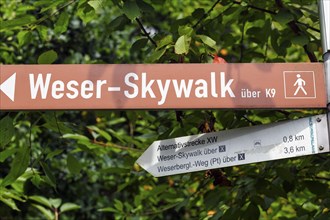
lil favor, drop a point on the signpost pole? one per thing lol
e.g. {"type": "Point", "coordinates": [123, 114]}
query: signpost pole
{"type": "Point", "coordinates": [324, 11]}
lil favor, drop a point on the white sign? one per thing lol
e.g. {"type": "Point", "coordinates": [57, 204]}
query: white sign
{"type": "Point", "coordinates": [237, 146]}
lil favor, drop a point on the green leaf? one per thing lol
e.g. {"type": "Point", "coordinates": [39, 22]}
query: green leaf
{"type": "Point", "coordinates": [69, 207]}
{"type": "Point", "coordinates": [116, 121]}
{"type": "Point", "coordinates": [165, 41]}
{"type": "Point", "coordinates": [52, 123]}
{"type": "Point", "coordinates": [55, 202]}
{"type": "Point", "coordinates": [182, 45]}
{"type": "Point", "coordinates": [12, 194]}
{"type": "Point", "coordinates": [100, 132]}
{"type": "Point", "coordinates": [116, 170]}
{"type": "Point", "coordinates": [73, 164]}
{"type": "Point", "coordinates": [138, 45]}
{"type": "Point", "coordinates": [7, 130]}
{"type": "Point", "coordinates": [210, 201]}
{"type": "Point", "coordinates": [118, 23]}
{"type": "Point", "coordinates": [145, 7]}
{"type": "Point", "coordinates": [47, 5]}
{"type": "Point", "coordinates": [96, 4]}
{"type": "Point", "coordinates": [312, 46]}
{"type": "Point", "coordinates": [285, 173]}
{"type": "Point", "coordinates": [207, 40]}
{"type": "Point", "coordinates": [49, 175]}
{"type": "Point", "coordinates": [316, 187]}
{"type": "Point", "coordinates": [19, 165]}
{"type": "Point", "coordinates": [47, 57]}
{"type": "Point", "coordinates": [279, 49]}
{"type": "Point", "coordinates": [7, 153]}
{"type": "Point", "coordinates": [43, 32]}
{"type": "Point", "coordinates": [9, 202]}
{"type": "Point", "coordinates": [42, 200]}
{"type": "Point", "coordinates": [46, 212]}
{"type": "Point", "coordinates": [301, 40]}
{"type": "Point", "coordinates": [258, 200]}
{"type": "Point", "coordinates": [78, 137]}
{"type": "Point", "coordinates": [62, 23]}
{"type": "Point", "coordinates": [198, 13]}
{"type": "Point", "coordinates": [185, 30]}
{"type": "Point", "coordinates": [24, 37]}
{"type": "Point", "coordinates": [119, 205]}
{"type": "Point", "coordinates": [36, 180]}
{"type": "Point", "coordinates": [86, 12]}
{"type": "Point", "coordinates": [131, 9]}
{"type": "Point", "coordinates": [284, 16]}
{"type": "Point", "coordinates": [231, 213]}
{"type": "Point", "coordinates": [156, 55]}
{"type": "Point", "coordinates": [54, 153]}
{"type": "Point", "coordinates": [108, 209]}
{"type": "Point", "coordinates": [252, 212]}
{"type": "Point", "coordinates": [18, 22]}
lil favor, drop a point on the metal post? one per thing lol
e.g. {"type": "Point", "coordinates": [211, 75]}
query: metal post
{"type": "Point", "coordinates": [326, 59]}
{"type": "Point", "coordinates": [324, 11]}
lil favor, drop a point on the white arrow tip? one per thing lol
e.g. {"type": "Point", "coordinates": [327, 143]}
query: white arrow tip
{"type": "Point", "coordinates": [8, 87]}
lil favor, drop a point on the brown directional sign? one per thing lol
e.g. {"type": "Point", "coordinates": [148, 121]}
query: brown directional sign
{"type": "Point", "coordinates": [162, 86]}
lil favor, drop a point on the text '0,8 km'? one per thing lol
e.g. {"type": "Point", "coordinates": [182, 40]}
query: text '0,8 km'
{"type": "Point", "coordinates": [237, 146]}
{"type": "Point", "coordinates": [162, 86]}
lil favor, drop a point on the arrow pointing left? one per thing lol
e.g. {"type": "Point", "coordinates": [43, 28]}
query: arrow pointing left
{"type": "Point", "coordinates": [8, 87]}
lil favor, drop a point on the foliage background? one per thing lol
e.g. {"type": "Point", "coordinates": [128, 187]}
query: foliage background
{"type": "Point", "coordinates": [81, 164]}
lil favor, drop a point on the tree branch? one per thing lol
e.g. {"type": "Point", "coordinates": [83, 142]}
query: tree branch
{"type": "Point", "coordinates": [242, 43]}
{"type": "Point", "coordinates": [57, 125]}
{"type": "Point", "coordinates": [322, 178]}
{"type": "Point", "coordinates": [206, 14]}
{"type": "Point", "coordinates": [55, 12]}
{"type": "Point", "coordinates": [248, 120]}
{"type": "Point", "coordinates": [295, 28]}
{"type": "Point", "coordinates": [114, 146]}
{"type": "Point", "coordinates": [274, 13]}
{"type": "Point", "coordinates": [266, 50]}
{"type": "Point", "coordinates": [257, 8]}
{"type": "Point", "coordinates": [309, 27]}
{"type": "Point", "coordinates": [145, 32]}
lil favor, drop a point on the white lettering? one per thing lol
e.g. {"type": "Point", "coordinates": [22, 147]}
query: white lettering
{"type": "Point", "coordinates": [39, 84]}
{"type": "Point", "coordinates": [130, 84]}
{"type": "Point", "coordinates": [71, 87]}
{"type": "Point", "coordinates": [201, 91]}
{"type": "Point", "coordinates": [87, 88]}
{"type": "Point", "coordinates": [163, 90]}
{"type": "Point", "coordinates": [57, 89]}
{"type": "Point", "coordinates": [213, 87]}
{"type": "Point", "coordinates": [99, 84]}
{"type": "Point", "coordinates": [146, 88]}
{"type": "Point", "coordinates": [226, 87]}
{"type": "Point", "coordinates": [186, 89]}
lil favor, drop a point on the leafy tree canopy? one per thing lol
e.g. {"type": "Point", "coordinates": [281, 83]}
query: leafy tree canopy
{"type": "Point", "coordinates": [81, 164]}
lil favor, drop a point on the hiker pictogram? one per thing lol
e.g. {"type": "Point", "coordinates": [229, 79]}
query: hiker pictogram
{"type": "Point", "coordinates": [300, 83]}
